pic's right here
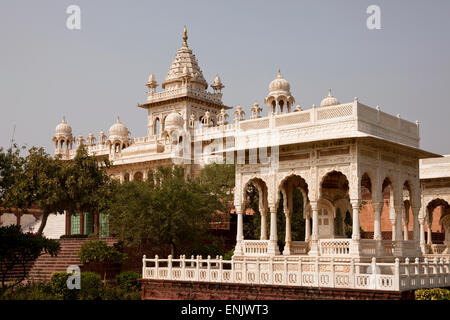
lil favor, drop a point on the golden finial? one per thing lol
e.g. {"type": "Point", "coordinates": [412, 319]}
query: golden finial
{"type": "Point", "coordinates": [185, 37]}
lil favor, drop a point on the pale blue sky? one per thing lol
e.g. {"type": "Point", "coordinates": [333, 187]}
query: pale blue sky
{"type": "Point", "coordinates": [94, 74]}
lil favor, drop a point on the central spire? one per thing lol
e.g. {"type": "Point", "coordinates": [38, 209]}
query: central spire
{"type": "Point", "coordinates": [185, 36]}
{"type": "Point", "coordinates": [185, 69]}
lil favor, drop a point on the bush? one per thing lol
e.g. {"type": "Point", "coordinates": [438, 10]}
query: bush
{"type": "Point", "coordinates": [90, 286]}
{"type": "Point", "coordinates": [433, 294]}
{"type": "Point", "coordinates": [98, 251]}
{"type": "Point", "coordinates": [205, 250]}
{"type": "Point", "coordinates": [128, 281]}
{"type": "Point", "coordinates": [58, 285]}
{"type": "Point", "coordinates": [228, 255]}
{"type": "Point", "coordinates": [31, 291]}
{"type": "Point", "coordinates": [116, 293]}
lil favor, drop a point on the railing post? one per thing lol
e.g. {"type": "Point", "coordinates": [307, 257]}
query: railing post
{"type": "Point", "coordinates": [316, 266]}
{"type": "Point", "coordinates": [209, 268]}
{"type": "Point", "coordinates": [197, 276]}
{"type": "Point", "coordinates": [156, 267]}
{"type": "Point", "coordinates": [397, 274]}
{"type": "Point", "coordinates": [427, 275]}
{"type": "Point", "coordinates": [408, 279]}
{"type": "Point", "coordinates": [144, 265]}
{"type": "Point", "coordinates": [169, 267]}
{"type": "Point", "coordinates": [373, 285]}
{"type": "Point", "coordinates": [300, 266]}
{"type": "Point", "coordinates": [285, 280]}
{"type": "Point", "coordinates": [271, 270]}
{"type": "Point", "coordinates": [258, 270]}
{"type": "Point", "coordinates": [244, 271]}
{"type": "Point", "coordinates": [332, 273]}
{"type": "Point", "coordinates": [220, 269]}
{"type": "Point", "coordinates": [417, 272]}
{"type": "Point", "coordinates": [183, 267]}
{"type": "Point", "coordinates": [352, 272]}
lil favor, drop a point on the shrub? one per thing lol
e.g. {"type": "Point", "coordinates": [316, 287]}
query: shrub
{"type": "Point", "coordinates": [128, 281]}
{"type": "Point", "coordinates": [205, 250]}
{"type": "Point", "coordinates": [433, 294]}
{"type": "Point", "coordinates": [98, 251]}
{"type": "Point", "coordinates": [228, 255]}
{"type": "Point", "coordinates": [116, 293]}
{"type": "Point", "coordinates": [58, 285]}
{"type": "Point", "coordinates": [31, 291]}
{"type": "Point", "coordinates": [90, 286]}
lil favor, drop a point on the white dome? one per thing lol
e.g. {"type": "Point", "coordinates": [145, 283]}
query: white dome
{"type": "Point", "coordinates": [119, 130]}
{"type": "Point", "coordinates": [173, 121]}
{"type": "Point", "coordinates": [279, 84]}
{"type": "Point", "coordinates": [63, 128]}
{"type": "Point", "coordinates": [329, 101]}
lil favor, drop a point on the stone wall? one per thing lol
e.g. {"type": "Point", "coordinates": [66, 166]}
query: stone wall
{"type": "Point", "coordinates": [185, 290]}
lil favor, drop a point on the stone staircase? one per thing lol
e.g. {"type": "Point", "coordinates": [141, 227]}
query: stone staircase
{"type": "Point", "coordinates": [46, 265]}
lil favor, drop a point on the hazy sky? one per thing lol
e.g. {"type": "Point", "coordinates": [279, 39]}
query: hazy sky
{"type": "Point", "coordinates": [99, 72]}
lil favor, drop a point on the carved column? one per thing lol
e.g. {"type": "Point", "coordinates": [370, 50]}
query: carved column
{"type": "Point", "coordinates": [314, 250]}
{"type": "Point", "coordinates": [307, 228]}
{"type": "Point", "coordinates": [405, 216]}
{"type": "Point", "coordinates": [356, 233]}
{"type": "Point", "coordinates": [238, 250]}
{"type": "Point", "coordinates": [429, 223]}
{"type": "Point", "coordinates": [288, 237]}
{"type": "Point", "coordinates": [377, 235]}
{"type": "Point", "coordinates": [416, 232]}
{"type": "Point", "coordinates": [273, 245]}
{"type": "Point", "coordinates": [263, 211]}
{"type": "Point", "coordinates": [377, 208]}
{"type": "Point", "coordinates": [398, 249]}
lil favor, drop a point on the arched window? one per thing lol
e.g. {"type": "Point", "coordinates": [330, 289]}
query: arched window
{"type": "Point", "coordinates": [281, 103]}
{"type": "Point", "coordinates": [157, 125]}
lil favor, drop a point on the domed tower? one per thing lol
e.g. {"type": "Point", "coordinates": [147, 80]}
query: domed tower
{"type": "Point", "coordinates": [279, 99]}
{"type": "Point", "coordinates": [118, 137]}
{"type": "Point", "coordinates": [63, 138]}
{"type": "Point", "coordinates": [329, 100]}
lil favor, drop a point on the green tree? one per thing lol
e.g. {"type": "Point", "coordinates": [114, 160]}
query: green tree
{"type": "Point", "coordinates": [87, 185]}
{"type": "Point", "coordinates": [40, 183]}
{"type": "Point", "coordinates": [19, 249]}
{"type": "Point", "coordinates": [11, 165]}
{"type": "Point", "coordinates": [171, 209]}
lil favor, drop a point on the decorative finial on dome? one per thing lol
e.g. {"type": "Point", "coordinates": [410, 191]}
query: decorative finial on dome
{"type": "Point", "coordinates": [279, 73]}
{"type": "Point", "coordinates": [329, 100]}
{"type": "Point", "coordinates": [64, 119]}
{"type": "Point", "coordinates": [217, 85]}
{"type": "Point", "coordinates": [118, 119]}
{"type": "Point", "coordinates": [185, 36]}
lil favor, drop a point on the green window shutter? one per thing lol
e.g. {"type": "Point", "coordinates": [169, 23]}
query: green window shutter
{"type": "Point", "coordinates": [88, 223]}
{"type": "Point", "coordinates": [75, 223]}
{"type": "Point", "coordinates": [104, 225]}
